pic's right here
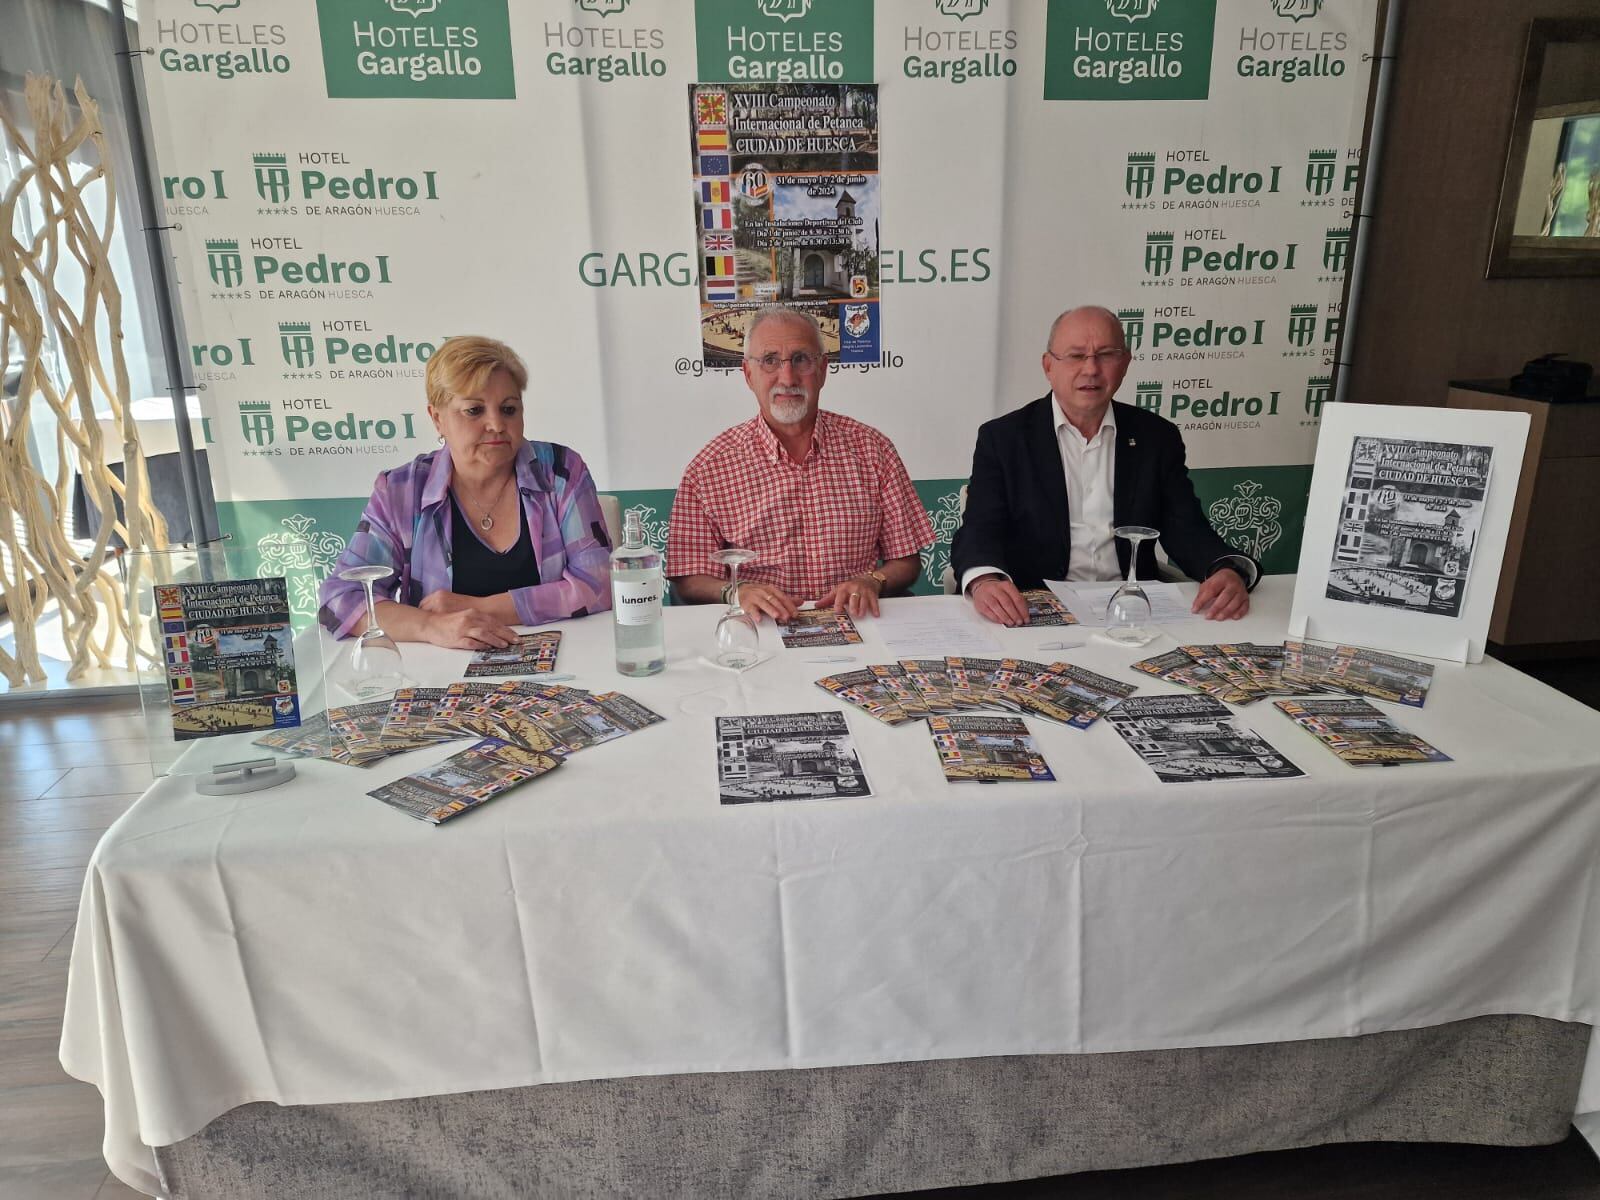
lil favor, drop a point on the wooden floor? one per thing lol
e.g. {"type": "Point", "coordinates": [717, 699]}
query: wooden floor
{"type": "Point", "coordinates": [67, 771]}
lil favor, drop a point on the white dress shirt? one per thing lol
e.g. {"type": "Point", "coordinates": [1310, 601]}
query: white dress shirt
{"type": "Point", "coordinates": [1090, 466]}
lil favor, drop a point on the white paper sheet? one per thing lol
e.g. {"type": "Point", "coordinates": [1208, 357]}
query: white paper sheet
{"type": "Point", "coordinates": [1168, 601]}
{"type": "Point", "coordinates": [918, 635]}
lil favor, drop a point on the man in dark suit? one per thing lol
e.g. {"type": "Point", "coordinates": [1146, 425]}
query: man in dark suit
{"type": "Point", "coordinates": [1051, 480]}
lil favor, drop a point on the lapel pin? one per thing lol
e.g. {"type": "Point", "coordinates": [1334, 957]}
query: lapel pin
{"type": "Point", "coordinates": [1131, 442]}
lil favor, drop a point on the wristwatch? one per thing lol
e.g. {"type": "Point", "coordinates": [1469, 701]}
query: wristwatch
{"type": "Point", "coordinates": [883, 580]}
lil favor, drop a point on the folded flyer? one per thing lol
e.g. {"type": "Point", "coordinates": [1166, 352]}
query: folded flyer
{"type": "Point", "coordinates": [1358, 733]}
{"type": "Point", "coordinates": [787, 756]}
{"type": "Point", "coordinates": [1188, 739]}
{"type": "Point", "coordinates": [987, 750]}
{"type": "Point", "coordinates": [465, 780]}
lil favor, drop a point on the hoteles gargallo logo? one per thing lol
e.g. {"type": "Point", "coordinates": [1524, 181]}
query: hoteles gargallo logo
{"type": "Point", "coordinates": [784, 41]}
{"type": "Point", "coordinates": [1128, 49]}
{"type": "Point", "coordinates": [437, 49]}
{"type": "Point", "coordinates": [958, 56]}
{"type": "Point", "coordinates": [272, 177]}
{"type": "Point", "coordinates": [1132, 327]}
{"type": "Point", "coordinates": [1131, 10]}
{"type": "Point", "coordinates": [225, 262]}
{"type": "Point", "coordinates": [603, 8]}
{"type": "Point", "coordinates": [1297, 10]}
{"type": "Point", "coordinates": [255, 419]}
{"type": "Point", "coordinates": [1140, 179]}
{"type": "Point", "coordinates": [298, 346]}
{"type": "Point", "coordinates": [216, 6]}
{"type": "Point", "coordinates": [784, 10]}
{"type": "Point", "coordinates": [1158, 249]}
{"type": "Point", "coordinates": [1292, 55]}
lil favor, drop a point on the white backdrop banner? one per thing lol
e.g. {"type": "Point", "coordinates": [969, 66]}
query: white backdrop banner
{"type": "Point", "coordinates": [354, 180]}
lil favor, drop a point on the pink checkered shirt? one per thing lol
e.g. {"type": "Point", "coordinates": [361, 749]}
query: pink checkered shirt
{"type": "Point", "coordinates": [846, 508]}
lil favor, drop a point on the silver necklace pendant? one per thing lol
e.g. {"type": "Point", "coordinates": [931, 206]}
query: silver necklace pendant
{"type": "Point", "coordinates": [486, 523]}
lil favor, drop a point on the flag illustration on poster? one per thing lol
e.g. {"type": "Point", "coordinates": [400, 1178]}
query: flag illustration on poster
{"type": "Point", "coordinates": [230, 665]}
{"type": "Point", "coordinates": [803, 208]}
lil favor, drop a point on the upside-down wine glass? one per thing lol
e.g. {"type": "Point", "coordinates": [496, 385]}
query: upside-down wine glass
{"type": "Point", "coordinates": [373, 668]}
{"type": "Point", "coordinates": [1128, 610]}
{"type": "Point", "coordinates": [738, 638]}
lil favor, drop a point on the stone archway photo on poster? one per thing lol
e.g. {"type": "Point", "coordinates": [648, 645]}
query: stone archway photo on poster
{"type": "Point", "coordinates": [1406, 528]}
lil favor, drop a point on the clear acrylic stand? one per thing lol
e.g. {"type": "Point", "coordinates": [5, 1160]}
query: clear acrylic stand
{"type": "Point", "coordinates": [225, 699]}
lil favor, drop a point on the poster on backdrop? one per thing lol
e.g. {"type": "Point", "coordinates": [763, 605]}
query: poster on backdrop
{"type": "Point", "coordinates": [786, 199]}
{"type": "Point", "coordinates": [349, 182]}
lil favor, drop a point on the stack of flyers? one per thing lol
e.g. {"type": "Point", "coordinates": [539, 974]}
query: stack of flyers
{"type": "Point", "coordinates": [410, 713]}
{"type": "Point", "coordinates": [1381, 676]}
{"type": "Point", "coordinates": [311, 739]}
{"type": "Point", "coordinates": [970, 680]}
{"type": "Point", "coordinates": [932, 681]}
{"type": "Point", "coordinates": [899, 687]}
{"type": "Point", "coordinates": [1305, 666]}
{"type": "Point", "coordinates": [1046, 608]}
{"type": "Point", "coordinates": [1257, 671]}
{"type": "Point", "coordinates": [1186, 739]}
{"type": "Point", "coordinates": [358, 733]}
{"type": "Point", "coordinates": [459, 702]}
{"type": "Point", "coordinates": [584, 720]}
{"type": "Point", "coordinates": [1177, 666]}
{"type": "Point", "coordinates": [1358, 733]}
{"type": "Point", "coordinates": [1310, 667]}
{"type": "Point", "coordinates": [531, 654]}
{"type": "Point", "coordinates": [787, 756]}
{"type": "Point", "coordinates": [866, 691]}
{"type": "Point", "coordinates": [1072, 695]}
{"type": "Point", "coordinates": [987, 749]}
{"type": "Point", "coordinates": [465, 780]}
{"type": "Point", "coordinates": [819, 627]}
{"type": "Point", "coordinates": [480, 716]}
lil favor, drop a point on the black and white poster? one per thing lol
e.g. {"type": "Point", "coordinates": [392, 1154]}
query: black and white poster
{"type": "Point", "coordinates": [1188, 739]}
{"type": "Point", "coordinates": [1409, 524]}
{"type": "Point", "coordinates": [787, 756]}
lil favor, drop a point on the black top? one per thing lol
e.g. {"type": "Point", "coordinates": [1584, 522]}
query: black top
{"type": "Point", "coordinates": [476, 570]}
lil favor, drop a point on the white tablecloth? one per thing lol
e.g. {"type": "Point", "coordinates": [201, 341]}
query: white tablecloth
{"type": "Point", "coordinates": [309, 945]}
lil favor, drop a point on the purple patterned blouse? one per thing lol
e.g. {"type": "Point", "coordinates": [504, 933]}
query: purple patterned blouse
{"type": "Point", "coordinates": [406, 526]}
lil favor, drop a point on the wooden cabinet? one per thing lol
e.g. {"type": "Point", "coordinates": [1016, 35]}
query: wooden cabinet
{"type": "Point", "coordinates": [1549, 597]}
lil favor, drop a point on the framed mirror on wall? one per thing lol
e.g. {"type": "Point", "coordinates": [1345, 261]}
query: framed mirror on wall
{"type": "Point", "coordinates": [1548, 222]}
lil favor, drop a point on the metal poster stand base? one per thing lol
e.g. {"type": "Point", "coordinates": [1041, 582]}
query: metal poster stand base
{"type": "Point", "coordinates": [232, 779]}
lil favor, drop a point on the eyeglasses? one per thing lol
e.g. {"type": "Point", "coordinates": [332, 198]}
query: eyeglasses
{"type": "Point", "coordinates": [1104, 358]}
{"type": "Point", "coordinates": [803, 362]}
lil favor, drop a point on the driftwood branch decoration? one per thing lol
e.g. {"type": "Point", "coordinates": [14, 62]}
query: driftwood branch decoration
{"type": "Point", "coordinates": [38, 563]}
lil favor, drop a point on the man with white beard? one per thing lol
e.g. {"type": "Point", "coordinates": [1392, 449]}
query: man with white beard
{"type": "Point", "coordinates": [822, 499]}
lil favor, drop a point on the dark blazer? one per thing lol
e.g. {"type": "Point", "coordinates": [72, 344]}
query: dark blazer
{"type": "Point", "coordinates": [1016, 516]}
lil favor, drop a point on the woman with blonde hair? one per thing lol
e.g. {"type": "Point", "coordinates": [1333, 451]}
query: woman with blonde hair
{"type": "Point", "coordinates": [488, 531]}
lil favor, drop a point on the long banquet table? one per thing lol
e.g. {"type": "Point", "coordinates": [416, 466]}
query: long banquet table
{"type": "Point", "coordinates": [308, 945]}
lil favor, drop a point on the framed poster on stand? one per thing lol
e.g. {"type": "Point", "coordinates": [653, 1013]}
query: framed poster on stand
{"type": "Point", "coordinates": [1406, 527]}
{"type": "Point", "coordinates": [230, 679]}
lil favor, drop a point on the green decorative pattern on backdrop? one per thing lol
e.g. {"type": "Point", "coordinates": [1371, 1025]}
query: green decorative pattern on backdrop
{"type": "Point", "coordinates": [1261, 510]}
{"type": "Point", "coordinates": [298, 539]}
